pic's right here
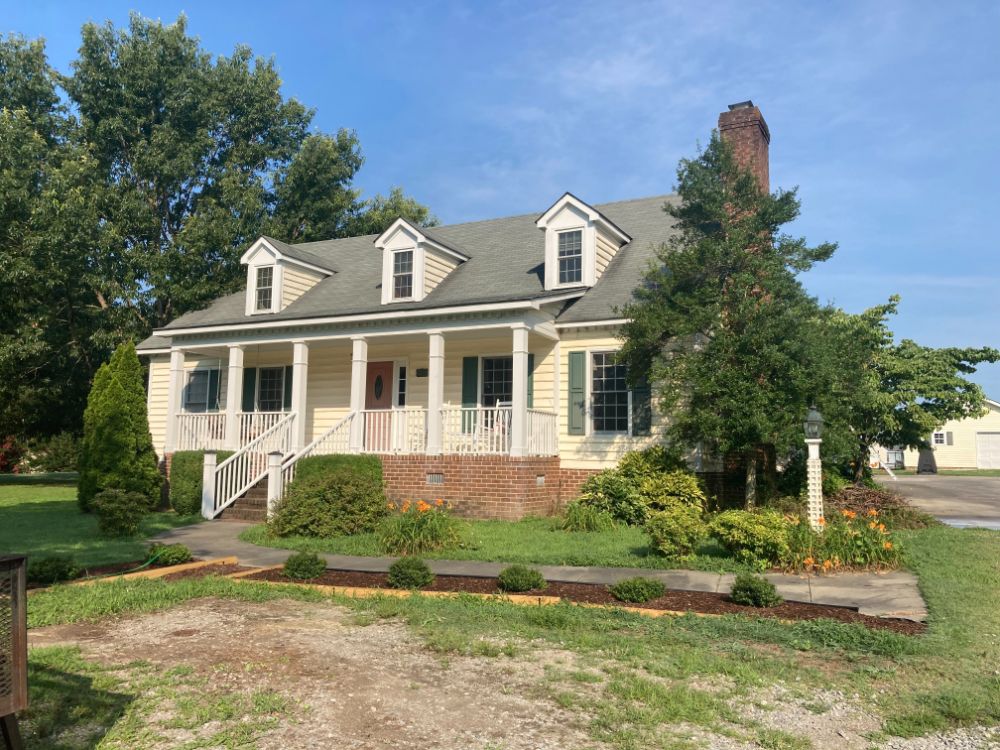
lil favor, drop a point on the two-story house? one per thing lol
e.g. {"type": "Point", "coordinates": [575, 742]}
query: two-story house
{"type": "Point", "coordinates": [477, 359]}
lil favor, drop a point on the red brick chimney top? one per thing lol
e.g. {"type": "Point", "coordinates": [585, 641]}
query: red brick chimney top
{"type": "Point", "coordinates": [744, 129]}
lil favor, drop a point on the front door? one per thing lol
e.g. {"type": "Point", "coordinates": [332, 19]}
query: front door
{"type": "Point", "coordinates": [378, 402]}
{"type": "Point", "coordinates": [378, 391]}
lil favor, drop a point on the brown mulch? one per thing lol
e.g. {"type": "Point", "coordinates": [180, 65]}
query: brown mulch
{"type": "Point", "coordinates": [587, 593]}
{"type": "Point", "coordinates": [218, 569]}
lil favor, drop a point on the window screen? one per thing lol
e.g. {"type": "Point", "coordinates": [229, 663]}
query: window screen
{"type": "Point", "coordinates": [402, 274]}
{"type": "Point", "coordinates": [609, 392]}
{"type": "Point", "coordinates": [196, 395]}
{"type": "Point", "coordinates": [265, 287]}
{"type": "Point", "coordinates": [570, 257]}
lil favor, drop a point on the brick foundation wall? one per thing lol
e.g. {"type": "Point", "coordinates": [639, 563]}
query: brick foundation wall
{"type": "Point", "coordinates": [477, 486]}
{"type": "Point", "coordinates": [572, 481]}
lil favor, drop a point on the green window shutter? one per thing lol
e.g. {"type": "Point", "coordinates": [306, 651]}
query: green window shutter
{"type": "Point", "coordinates": [249, 387]}
{"type": "Point", "coordinates": [576, 411]}
{"type": "Point", "coordinates": [470, 391]}
{"type": "Point", "coordinates": [213, 390]}
{"type": "Point", "coordinates": [288, 388]}
{"type": "Point", "coordinates": [642, 409]}
{"type": "Point", "coordinates": [531, 380]}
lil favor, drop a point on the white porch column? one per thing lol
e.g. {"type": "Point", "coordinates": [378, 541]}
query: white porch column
{"type": "Point", "coordinates": [300, 376]}
{"type": "Point", "coordinates": [174, 389]}
{"type": "Point", "coordinates": [519, 397]}
{"type": "Point", "coordinates": [234, 395]}
{"type": "Point", "coordinates": [359, 369]}
{"type": "Point", "coordinates": [435, 393]}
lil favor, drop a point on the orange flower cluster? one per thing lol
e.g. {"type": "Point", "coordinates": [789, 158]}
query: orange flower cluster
{"type": "Point", "coordinates": [849, 514]}
{"type": "Point", "coordinates": [422, 507]}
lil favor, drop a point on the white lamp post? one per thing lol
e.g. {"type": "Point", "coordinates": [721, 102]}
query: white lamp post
{"type": "Point", "coordinates": [814, 467]}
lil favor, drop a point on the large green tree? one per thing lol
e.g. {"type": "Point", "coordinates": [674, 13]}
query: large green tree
{"type": "Point", "coordinates": [129, 188]}
{"type": "Point", "coordinates": [721, 322]}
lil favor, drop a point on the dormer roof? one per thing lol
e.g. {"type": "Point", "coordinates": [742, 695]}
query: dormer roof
{"type": "Point", "coordinates": [291, 254]}
{"type": "Point", "coordinates": [424, 235]}
{"type": "Point", "coordinates": [592, 214]}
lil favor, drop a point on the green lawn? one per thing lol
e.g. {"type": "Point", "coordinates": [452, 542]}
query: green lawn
{"type": "Point", "coordinates": [637, 678]}
{"type": "Point", "coordinates": [44, 520]}
{"type": "Point", "coordinates": [538, 541]}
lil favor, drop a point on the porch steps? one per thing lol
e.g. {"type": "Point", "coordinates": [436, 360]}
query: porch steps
{"type": "Point", "coordinates": [252, 506]}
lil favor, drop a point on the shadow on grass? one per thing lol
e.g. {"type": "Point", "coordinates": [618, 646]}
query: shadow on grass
{"type": "Point", "coordinates": [53, 477]}
{"type": "Point", "coordinates": [71, 707]}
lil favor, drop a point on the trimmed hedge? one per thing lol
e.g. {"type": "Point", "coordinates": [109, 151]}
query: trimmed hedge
{"type": "Point", "coordinates": [637, 590]}
{"type": "Point", "coordinates": [186, 468]}
{"type": "Point", "coordinates": [410, 573]}
{"type": "Point", "coordinates": [314, 465]}
{"type": "Point", "coordinates": [520, 578]}
{"type": "Point", "coordinates": [304, 566]}
{"type": "Point", "coordinates": [754, 591]}
{"type": "Point", "coordinates": [677, 531]}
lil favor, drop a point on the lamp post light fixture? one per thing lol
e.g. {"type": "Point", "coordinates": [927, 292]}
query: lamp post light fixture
{"type": "Point", "coordinates": [814, 467]}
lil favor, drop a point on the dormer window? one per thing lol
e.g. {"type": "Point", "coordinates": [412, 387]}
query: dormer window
{"type": "Point", "coordinates": [402, 274]}
{"type": "Point", "coordinates": [580, 242]}
{"type": "Point", "coordinates": [571, 257]}
{"type": "Point", "coordinates": [264, 289]}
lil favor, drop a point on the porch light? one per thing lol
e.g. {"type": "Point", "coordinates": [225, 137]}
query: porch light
{"type": "Point", "coordinates": [813, 424]}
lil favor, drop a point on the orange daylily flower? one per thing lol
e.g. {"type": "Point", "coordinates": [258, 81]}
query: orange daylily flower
{"type": "Point", "coordinates": [881, 527]}
{"type": "Point", "coordinates": [827, 565]}
{"type": "Point", "coordinates": [887, 545]}
{"type": "Point", "coordinates": [423, 507]}
{"type": "Point", "coordinates": [872, 525]}
{"type": "Point", "coordinates": [821, 521]}
{"type": "Point", "coordinates": [872, 512]}
{"type": "Point", "coordinates": [439, 502]}
{"type": "Point", "coordinates": [406, 507]}
{"type": "Point", "coordinates": [808, 561]}
{"type": "Point", "coordinates": [849, 513]}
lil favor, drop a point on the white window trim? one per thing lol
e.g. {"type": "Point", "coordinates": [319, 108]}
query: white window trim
{"type": "Point", "coordinates": [277, 285]}
{"type": "Point", "coordinates": [589, 430]}
{"type": "Point", "coordinates": [256, 388]}
{"type": "Point", "coordinates": [396, 365]}
{"type": "Point", "coordinates": [388, 258]}
{"type": "Point", "coordinates": [413, 274]}
{"type": "Point", "coordinates": [479, 377]}
{"type": "Point", "coordinates": [583, 258]}
{"type": "Point", "coordinates": [188, 373]}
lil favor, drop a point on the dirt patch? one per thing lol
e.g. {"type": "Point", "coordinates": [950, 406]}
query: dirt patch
{"type": "Point", "coordinates": [673, 600]}
{"type": "Point", "coordinates": [346, 685]}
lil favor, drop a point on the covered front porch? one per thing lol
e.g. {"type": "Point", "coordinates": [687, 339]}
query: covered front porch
{"type": "Point", "coordinates": [489, 390]}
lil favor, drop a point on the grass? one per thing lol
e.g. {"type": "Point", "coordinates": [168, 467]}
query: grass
{"type": "Point", "coordinates": [44, 520]}
{"type": "Point", "coordinates": [537, 541]}
{"type": "Point", "coordinates": [52, 477]}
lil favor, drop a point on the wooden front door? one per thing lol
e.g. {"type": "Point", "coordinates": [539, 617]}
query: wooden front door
{"type": "Point", "coordinates": [378, 389]}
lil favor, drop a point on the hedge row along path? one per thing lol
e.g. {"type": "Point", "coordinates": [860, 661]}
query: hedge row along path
{"type": "Point", "coordinates": [893, 595]}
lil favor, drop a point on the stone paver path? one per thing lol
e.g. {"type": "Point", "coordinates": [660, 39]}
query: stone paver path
{"type": "Point", "coordinates": [893, 594]}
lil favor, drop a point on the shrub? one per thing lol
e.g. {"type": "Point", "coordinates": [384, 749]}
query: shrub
{"type": "Point", "coordinates": [833, 482]}
{"type": "Point", "coordinates": [651, 461]}
{"type": "Point", "coordinates": [331, 503]}
{"type": "Point", "coordinates": [119, 512]}
{"type": "Point", "coordinates": [419, 527]}
{"type": "Point", "coordinates": [756, 538]}
{"type": "Point", "coordinates": [321, 465]}
{"type": "Point", "coordinates": [754, 591]}
{"type": "Point", "coordinates": [520, 578]}
{"type": "Point", "coordinates": [664, 491]}
{"type": "Point", "coordinates": [676, 532]}
{"type": "Point", "coordinates": [52, 569]}
{"type": "Point", "coordinates": [168, 554]}
{"type": "Point", "coordinates": [11, 452]}
{"type": "Point", "coordinates": [186, 470]}
{"type": "Point", "coordinates": [116, 451]}
{"type": "Point", "coordinates": [410, 573]}
{"type": "Point", "coordinates": [848, 539]}
{"type": "Point", "coordinates": [616, 495]}
{"type": "Point", "coordinates": [637, 590]}
{"type": "Point", "coordinates": [580, 517]}
{"type": "Point", "coordinates": [58, 453]}
{"type": "Point", "coordinates": [304, 566]}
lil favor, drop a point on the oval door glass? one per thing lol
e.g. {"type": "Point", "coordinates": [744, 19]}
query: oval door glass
{"type": "Point", "coordinates": [378, 387]}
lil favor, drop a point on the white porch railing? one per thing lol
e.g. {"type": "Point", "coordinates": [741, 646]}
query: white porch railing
{"type": "Point", "coordinates": [543, 437]}
{"type": "Point", "coordinates": [247, 466]}
{"type": "Point", "coordinates": [335, 440]}
{"type": "Point", "coordinates": [197, 432]}
{"type": "Point", "coordinates": [475, 430]}
{"type": "Point", "coordinates": [255, 423]}
{"type": "Point", "coordinates": [395, 430]}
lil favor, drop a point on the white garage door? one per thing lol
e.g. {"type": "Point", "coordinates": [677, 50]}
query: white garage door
{"type": "Point", "coordinates": [988, 450]}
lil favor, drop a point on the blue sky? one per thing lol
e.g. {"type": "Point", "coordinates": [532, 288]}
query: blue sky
{"type": "Point", "coordinates": [885, 114]}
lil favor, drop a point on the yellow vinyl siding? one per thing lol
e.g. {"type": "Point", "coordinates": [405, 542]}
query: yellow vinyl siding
{"type": "Point", "coordinates": [436, 267]}
{"type": "Point", "coordinates": [591, 451]}
{"type": "Point", "coordinates": [962, 453]}
{"type": "Point", "coordinates": [296, 281]}
{"type": "Point", "coordinates": [606, 250]}
{"type": "Point", "coordinates": [157, 399]}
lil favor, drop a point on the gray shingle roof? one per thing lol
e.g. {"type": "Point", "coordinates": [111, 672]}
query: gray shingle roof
{"type": "Point", "coordinates": [505, 264]}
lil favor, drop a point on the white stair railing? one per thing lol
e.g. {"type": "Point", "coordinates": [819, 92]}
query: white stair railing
{"type": "Point", "coordinates": [199, 432]}
{"type": "Point", "coordinates": [248, 465]}
{"type": "Point", "coordinates": [335, 440]}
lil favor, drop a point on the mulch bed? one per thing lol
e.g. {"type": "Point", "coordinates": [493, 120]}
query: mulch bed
{"type": "Point", "coordinates": [678, 601]}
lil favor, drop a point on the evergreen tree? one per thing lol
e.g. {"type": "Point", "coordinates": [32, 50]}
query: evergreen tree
{"type": "Point", "coordinates": [117, 450]}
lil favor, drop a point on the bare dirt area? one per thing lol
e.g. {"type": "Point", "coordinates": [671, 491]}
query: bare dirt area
{"type": "Point", "coordinates": [343, 685]}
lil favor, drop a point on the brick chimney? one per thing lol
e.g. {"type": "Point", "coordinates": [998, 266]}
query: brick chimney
{"type": "Point", "coordinates": [744, 129]}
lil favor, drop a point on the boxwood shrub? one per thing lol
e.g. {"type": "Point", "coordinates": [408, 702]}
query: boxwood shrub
{"type": "Point", "coordinates": [520, 578]}
{"type": "Point", "coordinates": [410, 573]}
{"type": "Point", "coordinates": [637, 590]}
{"type": "Point", "coordinates": [758, 538]}
{"type": "Point", "coordinates": [168, 554]}
{"type": "Point", "coordinates": [754, 591]}
{"type": "Point", "coordinates": [320, 465]}
{"type": "Point", "coordinates": [186, 469]}
{"type": "Point", "coordinates": [52, 569]}
{"type": "Point", "coordinates": [304, 566]}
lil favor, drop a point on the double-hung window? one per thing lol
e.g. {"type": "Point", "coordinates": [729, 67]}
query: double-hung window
{"type": "Point", "coordinates": [571, 257]}
{"type": "Point", "coordinates": [609, 394]}
{"type": "Point", "coordinates": [271, 389]}
{"type": "Point", "coordinates": [202, 392]}
{"type": "Point", "coordinates": [402, 274]}
{"type": "Point", "coordinates": [264, 289]}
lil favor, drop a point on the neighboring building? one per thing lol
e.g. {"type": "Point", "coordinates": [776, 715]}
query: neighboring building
{"type": "Point", "coordinates": [478, 359]}
{"type": "Point", "coordinates": [972, 443]}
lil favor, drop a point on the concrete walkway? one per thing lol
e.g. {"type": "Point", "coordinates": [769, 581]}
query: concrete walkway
{"type": "Point", "coordinates": [892, 594]}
